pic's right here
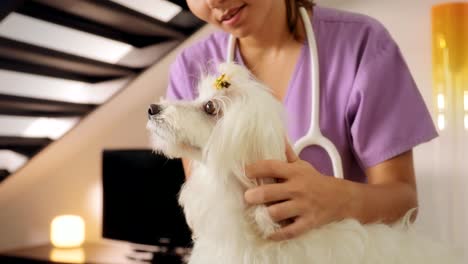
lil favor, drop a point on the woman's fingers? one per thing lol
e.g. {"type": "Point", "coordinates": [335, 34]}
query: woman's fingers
{"type": "Point", "coordinates": [291, 156]}
{"type": "Point", "coordinates": [268, 193]}
{"type": "Point", "coordinates": [284, 210]}
{"type": "Point", "coordinates": [298, 227]}
{"type": "Point", "coordinates": [268, 169]}
{"type": "Point", "coordinates": [273, 168]}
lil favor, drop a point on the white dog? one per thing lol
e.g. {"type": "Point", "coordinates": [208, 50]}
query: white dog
{"type": "Point", "coordinates": [236, 121]}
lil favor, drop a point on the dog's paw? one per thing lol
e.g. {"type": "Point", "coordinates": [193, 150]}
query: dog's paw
{"type": "Point", "coordinates": [265, 225]}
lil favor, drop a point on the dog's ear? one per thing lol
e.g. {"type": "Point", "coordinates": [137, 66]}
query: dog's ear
{"type": "Point", "coordinates": [251, 129]}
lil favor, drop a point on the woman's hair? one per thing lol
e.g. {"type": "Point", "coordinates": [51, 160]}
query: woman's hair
{"type": "Point", "coordinates": [292, 13]}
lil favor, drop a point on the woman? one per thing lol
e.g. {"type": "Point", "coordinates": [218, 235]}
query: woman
{"type": "Point", "coordinates": [370, 108]}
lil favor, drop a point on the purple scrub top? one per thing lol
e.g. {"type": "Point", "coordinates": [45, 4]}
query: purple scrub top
{"type": "Point", "coordinates": [370, 107]}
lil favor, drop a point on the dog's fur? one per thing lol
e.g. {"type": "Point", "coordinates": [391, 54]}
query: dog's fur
{"type": "Point", "coordinates": [248, 126]}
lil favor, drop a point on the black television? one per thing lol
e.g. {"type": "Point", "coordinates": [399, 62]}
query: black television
{"type": "Point", "coordinates": [140, 190]}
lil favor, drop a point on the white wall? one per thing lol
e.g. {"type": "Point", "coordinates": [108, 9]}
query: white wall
{"type": "Point", "coordinates": [65, 177]}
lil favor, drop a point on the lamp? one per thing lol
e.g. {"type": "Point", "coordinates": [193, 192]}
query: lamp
{"type": "Point", "coordinates": [67, 231]}
{"type": "Point", "coordinates": [450, 64]}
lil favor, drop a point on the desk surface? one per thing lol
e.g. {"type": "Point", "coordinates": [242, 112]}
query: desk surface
{"type": "Point", "coordinates": [96, 253]}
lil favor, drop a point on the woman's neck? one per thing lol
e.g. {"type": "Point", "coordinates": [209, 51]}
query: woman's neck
{"type": "Point", "coordinates": [274, 35]}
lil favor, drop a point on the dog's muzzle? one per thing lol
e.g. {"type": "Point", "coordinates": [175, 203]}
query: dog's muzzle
{"type": "Point", "coordinates": [154, 110]}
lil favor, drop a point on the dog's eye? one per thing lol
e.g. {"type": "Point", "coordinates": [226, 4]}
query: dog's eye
{"type": "Point", "coordinates": [210, 108]}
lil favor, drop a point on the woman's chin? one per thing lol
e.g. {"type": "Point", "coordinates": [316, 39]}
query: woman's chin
{"type": "Point", "coordinates": [240, 33]}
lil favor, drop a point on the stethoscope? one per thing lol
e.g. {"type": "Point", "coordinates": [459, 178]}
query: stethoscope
{"type": "Point", "coordinates": [314, 135]}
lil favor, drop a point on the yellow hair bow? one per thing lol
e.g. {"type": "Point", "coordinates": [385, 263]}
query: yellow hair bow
{"type": "Point", "coordinates": [222, 82]}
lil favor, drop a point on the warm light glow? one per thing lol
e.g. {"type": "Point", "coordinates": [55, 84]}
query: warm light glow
{"type": "Point", "coordinates": [159, 9]}
{"type": "Point", "coordinates": [69, 255]}
{"type": "Point", "coordinates": [442, 43]}
{"type": "Point", "coordinates": [441, 101]}
{"type": "Point", "coordinates": [466, 121]}
{"type": "Point", "coordinates": [67, 231]}
{"type": "Point", "coordinates": [441, 121]}
{"type": "Point", "coordinates": [53, 36]}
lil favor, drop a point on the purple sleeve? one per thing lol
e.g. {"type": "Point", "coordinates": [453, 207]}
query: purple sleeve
{"type": "Point", "coordinates": [182, 80]}
{"type": "Point", "coordinates": [386, 113]}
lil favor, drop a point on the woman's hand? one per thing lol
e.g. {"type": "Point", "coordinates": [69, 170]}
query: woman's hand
{"type": "Point", "coordinates": [302, 194]}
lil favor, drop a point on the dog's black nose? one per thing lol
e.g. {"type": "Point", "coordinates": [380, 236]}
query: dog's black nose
{"type": "Point", "coordinates": [153, 110]}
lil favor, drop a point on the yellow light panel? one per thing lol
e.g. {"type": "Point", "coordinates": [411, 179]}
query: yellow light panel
{"type": "Point", "coordinates": [450, 58]}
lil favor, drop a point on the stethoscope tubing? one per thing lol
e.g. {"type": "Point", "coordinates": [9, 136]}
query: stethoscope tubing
{"type": "Point", "coordinates": [313, 136]}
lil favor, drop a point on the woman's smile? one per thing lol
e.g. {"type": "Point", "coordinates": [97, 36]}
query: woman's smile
{"type": "Point", "coordinates": [232, 16]}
